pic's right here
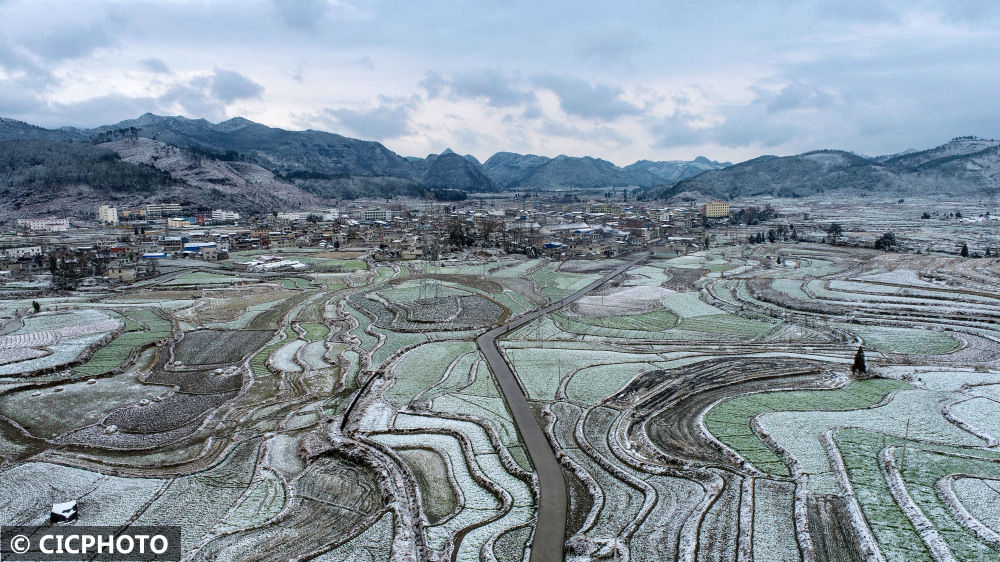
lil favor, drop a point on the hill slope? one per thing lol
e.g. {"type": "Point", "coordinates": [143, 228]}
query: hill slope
{"type": "Point", "coordinates": [963, 167]}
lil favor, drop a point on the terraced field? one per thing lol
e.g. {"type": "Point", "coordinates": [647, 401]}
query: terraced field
{"type": "Point", "coordinates": [702, 407]}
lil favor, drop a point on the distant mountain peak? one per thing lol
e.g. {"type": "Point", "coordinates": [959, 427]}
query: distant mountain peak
{"type": "Point", "coordinates": [234, 124]}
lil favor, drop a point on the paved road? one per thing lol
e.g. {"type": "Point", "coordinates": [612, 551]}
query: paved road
{"type": "Point", "coordinates": [550, 530]}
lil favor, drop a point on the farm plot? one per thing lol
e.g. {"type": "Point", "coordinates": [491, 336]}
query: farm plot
{"type": "Point", "coordinates": [891, 527]}
{"type": "Point", "coordinates": [729, 421]}
{"type": "Point", "coordinates": [629, 301]}
{"type": "Point", "coordinates": [199, 501]}
{"type": "Point", "coordinates": [148, 425]}
{"type": "Point", "coordinates": [314, 331]}
{"type": "Point", "coordinates": [29, 490]}
{"type": "Point", "coordinates": [75, 405]}
{"type": "Point", "coordinates": [464, 312]}
{"type": "Point", "coordinates": [211, 347]}
{"type": "Point", "coordinates": [903, 340]}
{"type": "Point", "coordinates": [924, 468]}
{"type": "Point", "coordinates": [492, 496]}
{"type": "Point", "coordinates": [439, 498]}
{"type": "Point", "coordinates": [727, 324]}
{"type": "Point", "coordinates": [227, 308]}
{"type": "Point", "coordinates": [556, 284]}
{"type": "Point", "coordinates": [541, 370]}
{"type": "Point", "coordinates": [284, 358]}
{"type": "Point", "coordinates": [913, 413]}
{"type": "Point", "coordinates": [295, 283]}
{"type": "Point", "coordinates": [482, 400]}
{"type": "Point", "coordinates": [422, 368]}
{"type": "Point", "coordinates": [56, 338]}
{"type": "Point", "coordinates": [979, 496]}
{"type": "Point", "coordinates": [202, 278]}
{"type": "Point", "coordinates": [336, 493]}
{"type": "Point", "coordinates": [146, 327]}
{"type": "Point", "coordinates": [478, 504]}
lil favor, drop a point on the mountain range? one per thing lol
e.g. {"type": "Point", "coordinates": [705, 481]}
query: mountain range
{"type": "Point", "coordinates": [253, 167]}
{"type": "Point", "coordinates": [250, 167]}
{"type": "Point", "coordinates": [963, 167]}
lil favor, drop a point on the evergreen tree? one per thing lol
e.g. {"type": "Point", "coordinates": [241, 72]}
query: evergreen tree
{"type": "Point", "coordinates": [859, 366]}
{"type": "Point", "coordinates": [965, 250]}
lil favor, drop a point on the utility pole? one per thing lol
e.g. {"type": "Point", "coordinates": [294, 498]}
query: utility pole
{"type": "Point", "coordinates": [906, 438]}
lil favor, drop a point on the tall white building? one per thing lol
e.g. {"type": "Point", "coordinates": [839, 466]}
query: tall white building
{"type": "Point", "coordinates": [107, 214]}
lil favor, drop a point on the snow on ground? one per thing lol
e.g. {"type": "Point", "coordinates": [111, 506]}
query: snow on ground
{"type": "Point", "coordinates": [284, 358]}
{"type": "Point", "coordinates": [917, 412]}
{"type": "Point", "coordinates": [980, 496]}
{"type": "Point", "coordinates": [689, 305]}
{"type": "Point", "coordinates": [628, 301]}
{"type": "Point", "coordinates": [900, 276]}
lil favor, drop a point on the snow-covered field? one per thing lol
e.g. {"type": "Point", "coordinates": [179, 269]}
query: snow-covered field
{"type": "Point", "coordinates": [702, 407]}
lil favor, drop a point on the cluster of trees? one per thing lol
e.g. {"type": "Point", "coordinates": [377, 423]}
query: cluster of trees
{"type": "Point", "coordinates": [753, 215]}
{"type": "Point", "coordinates": [129, 133]}
{"type": "Point", "coordinates": [68, 268]}
{"type": "Point", "coordinates": [886, 242]}
{"type": "Point", "coordinates": [464, 234]}
{"type": "Point", "coordinates": [783, 233]}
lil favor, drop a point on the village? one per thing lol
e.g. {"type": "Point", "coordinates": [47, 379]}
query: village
{"type": "Point", "coordinates": [121, 246]}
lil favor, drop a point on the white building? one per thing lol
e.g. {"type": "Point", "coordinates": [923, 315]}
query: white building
{"type": "Point", "coordinates": [46, 224]}
{"type": "Point", "coordinates": [161, 209]}
{"type": "Point", "coordinates": [107, 214]}
{"type": "Point", "coordinates": [220, 215]}
{"type": "Point", "coordinates": [23, 252]}
{"type": "Point", "coordinates": [373, 214]}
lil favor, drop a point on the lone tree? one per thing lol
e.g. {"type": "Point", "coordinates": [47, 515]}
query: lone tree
{"type": "Point", "coordinates": [859, 366]}
{"type": "Point", "coordinates": [36, 306]}
{"type": "Point", "coordinates": [834, 232]}
{"type": "Point", "coordinates": [965, 250]}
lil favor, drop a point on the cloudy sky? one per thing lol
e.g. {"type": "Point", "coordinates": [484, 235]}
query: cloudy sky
{"type": "Point", "coordinates": [624, 81]}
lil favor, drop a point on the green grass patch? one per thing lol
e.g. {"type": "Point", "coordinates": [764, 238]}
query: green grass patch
{"type": "Point", "coordinates": [258, 364]}
{"type": "Point", "coordinates": [295, 283]}
{"type": "Point", "coordinates": [315, 331]}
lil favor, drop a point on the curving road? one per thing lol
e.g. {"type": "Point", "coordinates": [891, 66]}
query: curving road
{"type": "Point", "coordinates": [550, 529]}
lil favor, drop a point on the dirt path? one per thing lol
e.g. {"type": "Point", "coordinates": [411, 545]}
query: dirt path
{"type": "Point", "coordinates": [550, 529]}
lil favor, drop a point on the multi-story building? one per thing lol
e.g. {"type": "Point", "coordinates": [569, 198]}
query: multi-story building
{"type": "Point", "coordinates": [180, 222]}
{"type": "Point", "coordinates": [373, 214]}
{"type": "Point", "coordinates": [161, 209]}
{"type": "Point", "coordinates": [45, 224]}
{"type": "Point", "coordinates": [22, 252]}
{"type": "Point", "coordinates": [716, 209]}
{"type": "Point", "coordinates": [221, 215]}
{"type": "Point", "coordinates": [107, 214]}
{"type": "Point", "coordinates": [609, 208]}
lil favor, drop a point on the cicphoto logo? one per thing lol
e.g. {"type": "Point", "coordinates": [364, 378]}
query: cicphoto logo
{"type": "Point", "coordinates": [160, 543]}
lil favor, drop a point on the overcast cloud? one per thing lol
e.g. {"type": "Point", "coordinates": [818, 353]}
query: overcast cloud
{"type": "Point", "coordinates": [622, 81]}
